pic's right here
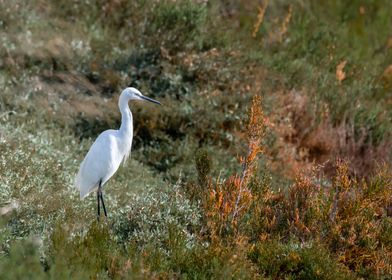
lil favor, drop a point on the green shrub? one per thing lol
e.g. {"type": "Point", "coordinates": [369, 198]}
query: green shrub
{"type": "Point", "coordinates": [179, 23]}
{"type": "Point", "coordinates": [150, 218]}
{"type": "Point", "coordinates": [295, 260]}
{"type": "Point", "coordinates": [22, 262]}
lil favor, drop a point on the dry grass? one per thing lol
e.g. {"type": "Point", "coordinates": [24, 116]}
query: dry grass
{"type": "Point", "coordinates": [305, 139]}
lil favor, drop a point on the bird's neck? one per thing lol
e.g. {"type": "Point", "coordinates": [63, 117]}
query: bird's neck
{"type": "Point", "coordinates": [126, 119]}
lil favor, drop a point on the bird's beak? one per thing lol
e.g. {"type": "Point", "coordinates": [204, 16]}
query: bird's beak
{"type": "Point", "coordinates": [150, 99]}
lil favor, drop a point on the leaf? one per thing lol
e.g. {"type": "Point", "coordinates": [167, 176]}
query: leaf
{"type": "Point", "coordinates": [340, 74]}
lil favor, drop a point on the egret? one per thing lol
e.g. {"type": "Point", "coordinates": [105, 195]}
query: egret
{"type": "Point", "coordinates": [108, 151]}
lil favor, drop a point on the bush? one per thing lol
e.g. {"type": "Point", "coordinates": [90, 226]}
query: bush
{"type": "Point", "coordinates": [294, 260]}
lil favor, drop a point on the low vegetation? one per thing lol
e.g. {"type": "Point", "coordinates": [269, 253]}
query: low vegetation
{"type": "Point", "coordinates": [270, 158]}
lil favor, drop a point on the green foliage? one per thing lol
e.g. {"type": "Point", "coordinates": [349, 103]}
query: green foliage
{"type": "Point", "coordinates": [151, 218]}
{"type": "Point", "coordinates": [369, 126]}
{"type": "Point", "coordinates": [93, 253]}
{"type": "Point", "coordinates": [294, 260]}
{"type": "Point", "coordinates": [179, 24]}
{"type": "Point", "coordinates": [22, 262]}
{"type": "Point", "coordinates": [203, 166]}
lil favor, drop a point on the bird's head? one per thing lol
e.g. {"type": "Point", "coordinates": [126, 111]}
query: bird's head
{"type": "Point", "coordinates": [131, 93]}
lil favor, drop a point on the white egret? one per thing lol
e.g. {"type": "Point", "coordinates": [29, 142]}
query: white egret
{"type": "Point", "coordinates": [107, 152]}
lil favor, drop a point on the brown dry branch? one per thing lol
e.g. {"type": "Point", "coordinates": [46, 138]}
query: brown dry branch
{"type": "Point", "coordinates": [229, 200]}
{"type": "Point", "coordinates": [277, 34]}
{"type": "Point", "coordinates": [357, 214]}
{"type": "Point", "coordinates": [260, 18]}
{"type": "Point", "coordinates": [350, 217]}
{"type": "Point", "coordinates": [255, 133]}
{"type": "Point", "coordinates": [285, 24]}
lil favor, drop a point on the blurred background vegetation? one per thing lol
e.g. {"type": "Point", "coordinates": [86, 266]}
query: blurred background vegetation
{"type": "Point", "coordinates": [296, 186]}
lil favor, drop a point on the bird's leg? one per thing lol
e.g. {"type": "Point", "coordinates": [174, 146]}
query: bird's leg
{"type": "Point", "coordinates": [99, 210]}
{"type": "Point", "coordinates": [103, 203]}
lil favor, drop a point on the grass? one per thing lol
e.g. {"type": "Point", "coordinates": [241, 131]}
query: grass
{"type": "Point", "coordinates": [221, 184]}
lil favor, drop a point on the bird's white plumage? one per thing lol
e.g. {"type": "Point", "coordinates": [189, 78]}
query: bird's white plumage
{"type": "Point", "coordinates": [110, 148]}
{"type": "Point", "coordinates": [101, 161]}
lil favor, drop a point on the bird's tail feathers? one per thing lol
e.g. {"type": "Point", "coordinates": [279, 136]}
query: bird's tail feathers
{"type": "Point", "coordinates": [85, 191]}
{"type": "Point", "coordinates": [79, 186]}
